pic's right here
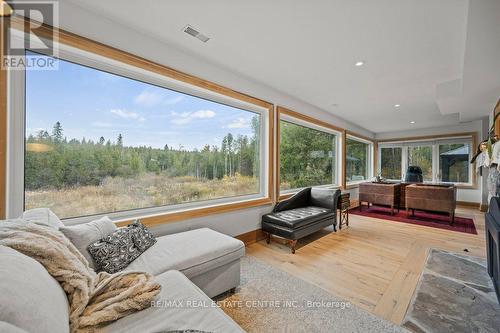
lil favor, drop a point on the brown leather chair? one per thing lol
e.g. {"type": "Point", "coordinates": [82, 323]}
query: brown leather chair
{"type": "Point", "coordinates": [435, 198]}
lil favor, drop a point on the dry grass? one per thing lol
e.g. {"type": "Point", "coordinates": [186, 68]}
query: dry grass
{"type": "Point", "coordinates": [148, 190]}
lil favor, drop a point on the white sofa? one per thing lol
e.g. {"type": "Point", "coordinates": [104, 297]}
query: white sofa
{"type": "Point", "coordinates": [191, 267]}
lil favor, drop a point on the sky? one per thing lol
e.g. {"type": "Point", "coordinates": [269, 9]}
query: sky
{"type": "Point", "coordinates": [90, 103]}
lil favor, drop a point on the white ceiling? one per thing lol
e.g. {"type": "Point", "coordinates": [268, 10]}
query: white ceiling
{"type": "Point", "coordinates": [439, 59]}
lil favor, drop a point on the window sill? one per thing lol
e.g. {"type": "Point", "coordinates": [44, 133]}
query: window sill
{"type": "Point", "coordinates": [179, 215]}
{"type": "Point", "coordinates": [355, 184]}
{"type": "Point", "coordinates": [289, 193]}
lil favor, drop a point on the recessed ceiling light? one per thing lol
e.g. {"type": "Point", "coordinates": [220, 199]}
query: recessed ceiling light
{"type": "Point", "coordinates": [412, 122]}
{"type": "Point", "coordinates": [397, 105]}
{"type": "Point", "coordinates": [359, 63]}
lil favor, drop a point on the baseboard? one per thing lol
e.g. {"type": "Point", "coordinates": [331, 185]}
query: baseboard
{"type": "Point", "coordinates": [469, 204]}
{"type": "Point", "coordinates": [484, 208]}
{"type": "Point", "coordinates": [251, 237]}
{"type": "Point", "coordinates": [353, 204]}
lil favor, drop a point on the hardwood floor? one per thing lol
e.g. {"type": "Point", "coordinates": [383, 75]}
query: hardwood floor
{"type": "Point", "coordinates": [373, 263]}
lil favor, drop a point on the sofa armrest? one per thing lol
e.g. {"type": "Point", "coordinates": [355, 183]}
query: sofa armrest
{"type": "Point", "coordinates": [299, 199]}
{"type": "Point", "coordinates": [326, 198]}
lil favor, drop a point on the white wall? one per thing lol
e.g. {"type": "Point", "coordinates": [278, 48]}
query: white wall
{"type": "Point", "coordinates": [478, 126]}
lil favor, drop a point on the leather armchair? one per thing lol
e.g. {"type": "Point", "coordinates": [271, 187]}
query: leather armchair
{"type": "Point", "coordinates": [306, 212]}
{"type": "Point", "coordinates": [414, 174]}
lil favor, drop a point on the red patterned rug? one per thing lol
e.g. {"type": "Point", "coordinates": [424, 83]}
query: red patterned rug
{"type": "Point", "coordinates": [435, 220]}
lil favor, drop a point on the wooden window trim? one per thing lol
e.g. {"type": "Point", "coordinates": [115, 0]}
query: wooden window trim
{"type": "Point", "coordinates": [88, 45]}
{"type": "Point", "coordinates": [374, 145]}
{"type": "Point", "coordinates": [280, 110]}
{"type": "Point", "coordinates": [473, 135]}
{"type": "Point", "coordinates": [3, 126]}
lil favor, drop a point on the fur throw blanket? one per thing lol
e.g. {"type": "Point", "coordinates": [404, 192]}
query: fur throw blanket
{"type": "Point", "coordinates": [94, 299]}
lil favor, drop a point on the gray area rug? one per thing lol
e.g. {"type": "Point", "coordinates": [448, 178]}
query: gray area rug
{"type": "Point", "coordinates": [270, 300]}
{"type": "Point", "coordinates": [454, 294]}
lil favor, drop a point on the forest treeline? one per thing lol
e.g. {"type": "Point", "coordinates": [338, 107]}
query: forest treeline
{"type": "Point", "coordinates": [53, 161]}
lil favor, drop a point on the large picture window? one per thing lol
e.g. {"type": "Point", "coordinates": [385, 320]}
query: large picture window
{"type": "Point", "coordinates": [308, 156]}
{"type": "Point", "coordinates": [357, 160]}
{"type": "Point", "coordinates": [443, 160]}
{"type": "Point", "coordinates": [99, 143]}
{"type": "Point", "coordinates": [421, 156]}
{"type": "Point", "coordinates": [390, 160]}
{"type": "Point", "coordinates": [454, 163]}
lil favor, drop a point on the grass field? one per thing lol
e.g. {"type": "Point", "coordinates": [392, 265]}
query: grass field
{"type": "Point", "coordinates": [148, 190]}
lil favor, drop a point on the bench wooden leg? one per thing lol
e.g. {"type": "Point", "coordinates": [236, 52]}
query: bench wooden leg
{"type": "Point", "coordinates": [292, 245]}
{"type": "Point", "coordinates": [268, 237]}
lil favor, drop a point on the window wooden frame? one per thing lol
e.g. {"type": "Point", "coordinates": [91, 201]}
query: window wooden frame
{"type": "Point", "coordinates": [88, 45]}
{"type": "Point", "coordinates": [472, 135]}
{"type": "Point", "coordinates": [373, 165]}
{"type": "Point", "coordinates": [3, 125]}
{"type": "Point", "coordinates": [280, 110]}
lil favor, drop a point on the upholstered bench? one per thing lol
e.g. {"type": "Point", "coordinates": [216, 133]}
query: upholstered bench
{"type": "Point", "coordinates": [306, 212]}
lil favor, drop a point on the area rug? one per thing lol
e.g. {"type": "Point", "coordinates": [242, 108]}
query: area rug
{"type": "Point", "coordinates": [270, 300]}
{"type": "Point", "coordinates": [454, 294]}
{"type": "Point", "coordinates": [435, 220]}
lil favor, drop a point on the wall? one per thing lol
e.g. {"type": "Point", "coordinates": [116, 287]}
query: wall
{"type": "Point", "coordinates": [478, 126]}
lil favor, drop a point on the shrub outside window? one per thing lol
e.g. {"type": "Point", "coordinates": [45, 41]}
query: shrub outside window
{"type": "Point", "coordinates": [308, 156]}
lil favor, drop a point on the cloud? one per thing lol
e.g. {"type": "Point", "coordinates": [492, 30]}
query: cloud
{"type": "Point", "coordinates": [126, 114]}
{"type": "Point", "coordinates": [173, 101]}
{"type": "Point", "coordinates": [150, 99]}
{"type": "Point", "coordinates": [187, 117]}
{"type": "Point", "coordinates": [101, 124]}
{"type": "Point", "coordinates": [239, 123]}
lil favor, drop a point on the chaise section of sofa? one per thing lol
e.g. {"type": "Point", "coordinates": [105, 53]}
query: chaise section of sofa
{"type": "Point", "coordinates": [211, 260]}
{"type": "Point", "coordinates": [180, 306]}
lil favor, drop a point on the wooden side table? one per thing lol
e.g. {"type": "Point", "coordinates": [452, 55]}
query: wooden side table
{"type": "Point", "coordinates": [343, 207]}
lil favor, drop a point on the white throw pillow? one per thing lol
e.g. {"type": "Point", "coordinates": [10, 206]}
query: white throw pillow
{"type": "Point", "coordinates": [82, 235]}
{"type": "Point", "coordinates": [42, 216]}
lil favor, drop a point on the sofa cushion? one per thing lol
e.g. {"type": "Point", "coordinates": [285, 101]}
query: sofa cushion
{"type": "Point", "coordinates": [30, 298]}
{"type": "Point", "coordinates": [82, 235]}
{"type": "Point", "coordinates": [117, 250]}
{"type": "Point", "coordinates": [42, 216]}
{"type": "Point", "coordinates": [180, 306]}
{"type": "Point", "coordinates": [299, 217]}
{"type": "Point", "coordinates": [192, 252]}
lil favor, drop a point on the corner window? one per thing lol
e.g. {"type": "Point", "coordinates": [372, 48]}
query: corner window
{"type": "Point", "coordinates": [308, 155]}
{"type": "Point", "coordinates": [421, 156]}
{"type": "Point", "coordinates": [390, 160]}
{"type": "Point", "coordinates": [357, 160]}
{"type": "Point", "coordinates": [454, 163]}
{"type": "Point", "coordinates": [443, 160]}
{"type": "Point", "coordinates": [106, 140]}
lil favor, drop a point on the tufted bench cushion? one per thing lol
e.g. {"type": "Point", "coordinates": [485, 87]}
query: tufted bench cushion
{"type": "Point", "coordinates": [298, 217]}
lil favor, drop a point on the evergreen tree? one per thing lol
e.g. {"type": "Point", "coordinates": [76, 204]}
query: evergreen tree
{"type": "Point", "coordinates": [57, 132]}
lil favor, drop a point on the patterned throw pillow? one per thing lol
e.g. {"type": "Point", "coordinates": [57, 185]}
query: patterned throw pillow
{"type": "Point", "coordinates": [116, 251]}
